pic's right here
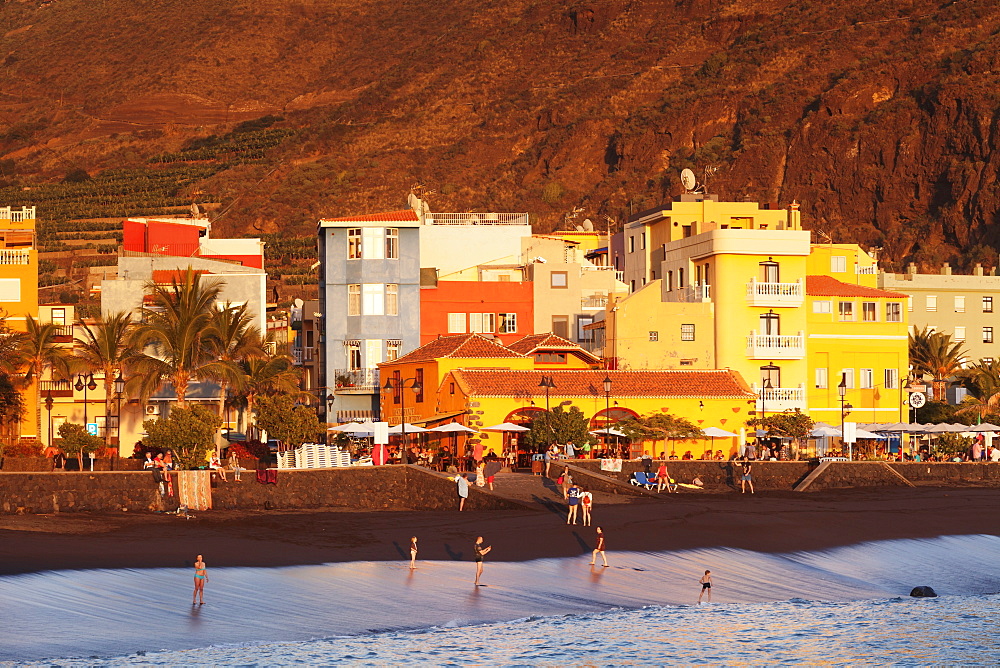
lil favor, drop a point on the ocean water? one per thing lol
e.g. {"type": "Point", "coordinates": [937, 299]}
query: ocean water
{"type": "Point", "coordinates": [845, 605]}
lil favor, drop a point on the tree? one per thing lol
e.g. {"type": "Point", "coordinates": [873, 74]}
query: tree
{"type": "Point", "coordinates": [286, 421]}
{"type": "Point", "coordinates": [42, 354]}
{"type": "Point", "coordinates": [982, 380]}
{"type": "Point", "coordinates": [13, 354]}
{"type": "Point", "coordinates": [76, 441]}
{"type": "Point", "coordinates": [234, 338]}
{"type": "Point", "coordinates": [109, 348]}
{"type": "Point", "coordinates": [271, 374]}
{"type": "Point", "coordinates": [11, 407]}
{"type": "Point", "coordinates": [936, 355]}
{"type": "Point", "coordinates": [178, 331]}
{"type": "Point", "coordinates": [559, 426]}
{"type": "Point", "coordinates": [795, 425]}
{"type": "Point", "coordinates": [658, 426]}
{"type": "Point", "coordinates": [187, 431]}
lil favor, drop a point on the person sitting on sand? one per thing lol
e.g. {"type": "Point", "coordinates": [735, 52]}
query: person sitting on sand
{"type": "Point", "coordinates": [200, 578]}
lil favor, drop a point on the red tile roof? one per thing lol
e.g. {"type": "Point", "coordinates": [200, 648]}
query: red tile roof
{"type": "Point", "coordinates": [548, 341]}
{"type": "Point", "coordinates": [459, 345]}
{"type": "Point", "coordinates": [406, 215]}
{"type": "Point", "coordinates": [696, 383]}
{"type": "Point", "coordinates": [827, 286]}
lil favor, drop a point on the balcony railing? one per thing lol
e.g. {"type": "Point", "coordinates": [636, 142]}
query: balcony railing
{"type": "Point", "coordinates": [17, 216]}
{"type": "Point", "coordinates": [776, 346]}
{"type": "Point", "coordinates": [690, 294]}
{"type": "Point", "coordinates": [778, 399]}
{"type": "Point", "coordinates": [477, 219]}
{"type": "Point", "coordinates": [356, 380]}
{"type": "Point", "coordinates": [762, 293]}
{"type": "Point", "coordinates": [866, 271]}
{"type": "Point", "coordinates": [594, 302]}
{"type": "Point", "coordinates": [14, 256]}
{"type": "Point", "coordinates": [58, 388]}
{"type": "Point", "coordinates": [63, 333]}
{"type": "Point", "coordinates": [302, 355]}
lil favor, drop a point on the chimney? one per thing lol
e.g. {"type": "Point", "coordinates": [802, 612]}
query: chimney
{"type": "Point", "coordinates": [977, 270]}
{"type": "Point", "coordinates": [946, 269]}
{"type": "Point", "coordinates": [911, 268]}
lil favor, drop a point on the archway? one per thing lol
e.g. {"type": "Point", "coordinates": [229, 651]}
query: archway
{"type": "Point", "coordinates": [514, 441]}
{"type": "Point", "coordinates": [609, 417]}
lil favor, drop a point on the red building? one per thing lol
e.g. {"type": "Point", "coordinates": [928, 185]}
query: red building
{"type": "Point", "coordinates": [188, 237]}
{"type": "Point", "coordinates": [503, 308]}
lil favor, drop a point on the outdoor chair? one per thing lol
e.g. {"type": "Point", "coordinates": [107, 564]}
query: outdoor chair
{"type": "Point", "coordinates": [640, 479]}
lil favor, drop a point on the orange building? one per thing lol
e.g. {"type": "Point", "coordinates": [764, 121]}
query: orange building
{"type": "Point", "coordinates": [503, 308]}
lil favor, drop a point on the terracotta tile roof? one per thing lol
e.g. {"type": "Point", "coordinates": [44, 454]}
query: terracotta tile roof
{"type": "Point", "coordinates": [548, 341]}
{"type": "Point", "coordinates": [460, 345]}
{"type": "Point", "coordinates": [827, 286]}
{"type": "Point", "coordinates": [388, 217]}
{"type": "Point", "coordinates": [707, 383]}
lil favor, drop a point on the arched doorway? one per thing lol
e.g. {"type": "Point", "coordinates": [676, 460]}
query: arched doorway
{"type": "Point", "coordinates": [514, 441]}
{"type": "Point", "coordinates": [609, 417]}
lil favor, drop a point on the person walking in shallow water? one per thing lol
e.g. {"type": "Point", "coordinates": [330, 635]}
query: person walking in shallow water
{"type": "Point", "coordinates": [413, 552]}
{"type": "Point", "coordinates": [200, 578]}
{"type": "Point", "coordinates": [706, 586]}
{"type": "Point", "coordinates": [599, 548]}
{"type": "Point", "coordinates": [480, 551]}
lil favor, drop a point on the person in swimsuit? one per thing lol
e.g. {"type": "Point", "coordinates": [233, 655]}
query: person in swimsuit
{"type": "Point", "coordinates": [599, 548]}
{"type": "Point", "coordinates": [706, 586]}
{"type": "Point", "coordinates": [586, 504]}
{"type": "Point", "coordinates": [413, 552]}
{"type": "Point", "coordinates": [747, 478]}
{"type": "Point", "coordinates": [200, 578]}
{"type": "Point", "coordinates": [573, 500]}
{"type": "Point", "coordinates": [480, 551]}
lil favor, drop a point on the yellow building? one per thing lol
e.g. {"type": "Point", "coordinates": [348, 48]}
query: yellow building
{"type": "Point", "coordinates": [725, 285]}
{"type": "Point", "coordinates": [19, 289]}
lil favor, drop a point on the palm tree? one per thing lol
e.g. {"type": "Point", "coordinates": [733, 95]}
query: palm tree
{"type": "Point", "coordinates": [42, 354]}
{"type": "Point", "coordinates": [982, 380]}
{"type": "Point", "coordinates": [936, 355]}
{"type": "Point", "coordinates": [177, 331]}
{"type": "Point", "coordinates": [12, 351]}
{"type": "Point", "coordinates": [234, 338]}
{"type": "Point", "coordinates": [109, 348]}
{"type": "Point", "coordinates": [270, 374]}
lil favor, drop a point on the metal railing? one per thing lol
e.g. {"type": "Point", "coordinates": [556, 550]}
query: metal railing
{"type": "Point", "coordinates": [692, 293]}
{"type": "Point", "coordinates": [594, 302]}
{"type": "Point", "coordinates": [14, 256]}
{"type": "Point", "coordinates": [305, 354]}
{"type": "Point", "coordinates": [16, 216]}
{"type": "Point", "coordinates": [476, 219]}
{"type": "Point", "coordinates": [63, 331]}
{"type": "Point", "coordinates": [356, 379]}
{"type": "Point", "coordinates": [58, 388]}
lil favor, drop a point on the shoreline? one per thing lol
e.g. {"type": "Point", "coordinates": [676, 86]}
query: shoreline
{"type": "Point", "coordinates": [770, 521]}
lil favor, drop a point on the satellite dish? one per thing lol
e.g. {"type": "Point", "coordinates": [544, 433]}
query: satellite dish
{"type": "Point", "coordinates": [412, 201]}
{"type": "Point", "coordinates": [688, 180]}
{"type": "Point", "coordinates": [588, 225]}
{"type": "Point", "coordinates": [298, 303]}
{"type": "Point", "coordinates": [579, 228]}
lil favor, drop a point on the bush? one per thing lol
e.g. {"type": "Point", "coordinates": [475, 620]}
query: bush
{"type": "Point", "coordinates": [249, 449]}
{"type": "Point", "coordinates": [552, 192]}
{"type": "Point", "coordinates": [22, 449]}
{"type": "Point", "coordinates": [188, 432]}
{"type": "Point", "coordinates": [77, 442]}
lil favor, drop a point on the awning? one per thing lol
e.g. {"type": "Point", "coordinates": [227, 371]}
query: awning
{"type": "Point", "coordinates": [437, 417]}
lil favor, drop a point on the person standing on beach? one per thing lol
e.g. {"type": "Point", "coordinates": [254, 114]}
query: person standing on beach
{"type": "Point", "coordinates": [463, 490]}
{"type": "Point", "coordinates": [586, 503]}
{"type": "Point", "coordinates": [746, 478]}
{"type": "Point", "coordinates": [413, 552]}
{"type": "Point", "coordinates": [599, 548]}
{"type": "Point", "coordinates": [706, 586]}
{"type": "Point", "coordinates": [573, 501]}
{"type": "Point", "coordinates": [200, 578]}
{"type": "Point", "coordinates": [480, 551]}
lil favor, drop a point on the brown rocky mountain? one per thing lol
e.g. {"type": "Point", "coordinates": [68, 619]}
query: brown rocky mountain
{"type": "Point", "coordinates": [879, 116]}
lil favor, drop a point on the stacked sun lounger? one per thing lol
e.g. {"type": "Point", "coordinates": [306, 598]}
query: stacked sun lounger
{"type": "Point", "coordinates": [314, 456]}
{"type": "Point", "coordinates": [286, 460]}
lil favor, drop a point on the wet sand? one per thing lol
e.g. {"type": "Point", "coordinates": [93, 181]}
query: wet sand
{"type": "Point", "coordinates": [768, 522]}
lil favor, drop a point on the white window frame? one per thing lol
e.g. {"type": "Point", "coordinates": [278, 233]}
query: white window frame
{"type": "Point", "coordinates": [373, 243]}
{"type": "Point", "coordinates": [392, 349]}
{"type": "Point", "coordinates": [823, 306]}
{"type": "Point", "coordinates": [959, 303]}
{"type": "Point", "coordinates": [392, 243]}
{"type": "Point", "coordinates": [843, 315]}
{"type": "Point", "coordinates": [354, 251]}
{"type": "Point", "coordinates": [893, 312]}
{"type": "Point", "coordinates": [838, 264]}
{"type": "Point", "coordinates": [873, 311]}
{"type": "Point", "coordinates": [355, 359]}
{"type": "Point", "coordinates": [687, 331]}
{"type": "Point", "coordinates": [582, 334]}
{"type": "Point", "coordinates": [10, 290]}
{"type": "Point", "coordinates": [866, 378]}
{"type": "Point", "coordinates": [987, 304]}
{"type": "Point", "coordinates": [822, 378]}
{"type": "Point", "coordinates": [482, 323]}
{"type": "Point", "coordinates": [987, 334]}
{"type": "Point", "coordinates": [848, 375]}
{"type": "Point", "coordinates": [507, 323]}
{"type": "Point", "coordinates": [931, 303]}
{"type": "Point", "coordinates": [354, 299]}
{"type": "Point", "coordinates": [891, 379]}
{"type": "Point", "coordinates": [457, 323]}
{"type": "Point", "coordinates": [391, 299]}
{"type": "Point", "coordinates": [960, 334]}
{"type": "Point", "coordinates": [373, 298]}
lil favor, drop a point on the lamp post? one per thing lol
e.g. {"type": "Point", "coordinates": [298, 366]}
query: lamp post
{"type": "Point", "coordinates": [85, 381]}
{"type": "Point", "coordinates": [844, 406]}
{"type": "Point", "coordinates": [607, 410]}
{"type": "Point", "coordinates": [548, 383]}
{"type": "Point", "coordinates": [399, 386]}
{"type": "Point", "coordinates": [48, 407]}
{"type": "Point", "coordinates": [119, 390]}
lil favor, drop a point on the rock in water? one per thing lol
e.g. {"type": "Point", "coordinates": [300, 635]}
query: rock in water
{"type": "Point", "coordinates": [923, 592]}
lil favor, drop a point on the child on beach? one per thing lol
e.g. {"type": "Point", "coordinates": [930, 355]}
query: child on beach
{"type": "Point", "coordinates": [706, 586]}
{"type": "Point", "coordinates": [586, 503]}
{"type": "Point", "coordinates": [200, 578]}
{"type": "Point", "coordinates": [413, 552]}
{"type": "Point", "coordinates": [599, 548]}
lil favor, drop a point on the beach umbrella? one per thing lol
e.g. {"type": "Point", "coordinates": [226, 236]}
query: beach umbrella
{"type": "Point", "coordinates": [506, 426]}
{"type": "Point", "coordinates": [713, 432]}
{"type": "Point", "coordinates": [356, 428]}
{"type": "Point", "coordinates": [985, 426]}
{"type": "Point", "coordinates": [824, 431]}
{"type": "Point", "coordinates": [864, 433]}
{"type": "Point", "coordinates": [451, 427]}
{"type": "Point", "coordinates": [942, 428]}
{"type": "Point", "coordinates": [610, 431]}
{"type": "Point", "coordinates": [410, 429]}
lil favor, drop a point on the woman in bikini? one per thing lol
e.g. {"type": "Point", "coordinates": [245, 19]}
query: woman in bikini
{"type": "Point", "coordinates": [413, 552]}
{"type": "Point", "coordinates": [200, 578]}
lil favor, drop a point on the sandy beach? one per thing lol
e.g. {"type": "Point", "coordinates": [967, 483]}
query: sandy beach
{"type": "Point", "coordinates": [768, 522]}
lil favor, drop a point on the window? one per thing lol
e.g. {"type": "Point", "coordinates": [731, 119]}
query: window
{"type": "Point", "coordinates": [392, 348]}
{"type": "Point", "coordinates": [848, 376]}
{"type": "Point", "coordinates": [456, 323]}
{"type": "Point", "coordinates": [931, 302]}
{"type": "Point", "coordinates": [959, 303]}
{"type": "Point", "coordinates": [631, 286]}
{"type": "Point", "coordinates": [987, 360]}
{"type": "Point", "coordinates": [987, 304]}
{"type": "Point", "coordinates": [397, 387]}
{"type": "Point", "coordinates": [654, 335]}
{"type": "Point", "coordinates": [559, 279]}
{"type": "Point", "coordinates": [373, 243]}
{"type": "Point", "coordinates": [59, 317]}
{"type": "Point", "coordinates": [354, 299]}
{"type": "Point", "coordinates": [642, 240]}
{"type": "Point", "coordinates": [670, 281]}
{"type": "Point", "coordinates": [893, 312]}
{"type": "Point", "coordinates": [451, 388]}
{"type": "Point", "coordinates": [631, 244]}
{"type": "Point", "coordinates": [354, 360]}
{"type": "Point", "coordinates": [838, 264]}
{"type": "Point", "coordinates": [392, 243]}
{"type": "Point", "coordinates": [769, 272]}
{"type": "Point", "coordinates": [373, 353]}
{"type": "Point", "coordinates": [846, 310]}
{"type": "Point", "coordinates": [821, 378]}
{"type": "Point", "coordinates": [392, 299]}
{"type": "Point", "coordinates": [560, 326]}
{"type": "Point", "coordinates": [581, 333]}
{"type": "Point", "coordinates": [680, 278]}
{"type": "Point", "coordinates": [508, 323]}
{"type": "Point", "coordinates": [418, 378]}
{"type": "Point", "coordinates": [354, 243]}
{"type": "Point", "coordinates": [484, 323]}
{"type": "Point", "coordinates": [687, 332]}
{"type": "Point", "coordinates": [373, 299]}
{"type": "Point", "coordinates": [987, 335]}
{"type": "Point", "coordinates": [867, 379]}
{"type": "Point", "coordinates": [550, 358]}
{"type": "Point", "coordinates": [770, 324]}
{"type": "Point", "coordinates": [770, 374]}
{"type": "Point", "coordinates": [822, 306]}
{"type": "Point", "coordinates": [909, 304]}
{"type": "Point", "coordinates": [891, 379]}
{"type": "Point", "coordinates": [10, 289]}
{"type": "Point", "coordinates": [868, 313]}
{"type": "Point", "coordinates": [960, 333]}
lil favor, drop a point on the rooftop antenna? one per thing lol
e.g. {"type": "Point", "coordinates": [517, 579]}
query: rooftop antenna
{"type": "Point", "coordinates": [577, 210]}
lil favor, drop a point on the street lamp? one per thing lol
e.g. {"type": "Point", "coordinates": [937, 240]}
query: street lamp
{"type": "Point", "coordinates": [84, 382]}
{"type": "Point", "coordinates": [844, 406]}
{"type": "Point", "coordinates": [48, 407]}
{"type": "Point", "coordinates": [398, 386]}
{"type": "Point", "coordinates": [548, 383]}
{"type": "Point", "coordinates": [119, 390]}
{"type": "Point", "coordinates": [607, 410]}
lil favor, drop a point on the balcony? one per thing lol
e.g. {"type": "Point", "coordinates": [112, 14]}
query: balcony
{"type": "Point", "coordinates": [304, 355]}
{"type": "Point", "coordinates": [776, 346]}
{"type": "Point", "coordinates": [771, 295]}
{"type": "Point", "coordinates": [780, 399]}
{"type": "Point", "coordinates": [63, 334]}
{"type": "Point", "coordinates": [58, 388]}
{"type": "Point", "coordinates": [865, 271]}
{"type": "Point", "coordinates": [691, 294]}
{"type": "Point", "coordinates": [15, 216]}
{"type": "Point", "coordinates": [476, 219]}
{"type": "Point", "coordinates": [14, 256]}
{"type": "Point", "coordinates": [594, 303]}
{"type": "Point", "coordinates": [356, 381]}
